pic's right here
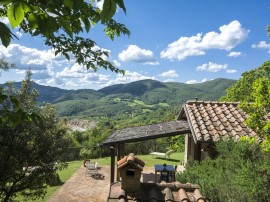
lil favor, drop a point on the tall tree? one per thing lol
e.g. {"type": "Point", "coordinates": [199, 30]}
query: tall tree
{"type": "Point", "coordinates": [31, 152]}
{"type": "Point", "coordinates": [61, 22]}
{"type": "Point", "coordinates": [253, 91]}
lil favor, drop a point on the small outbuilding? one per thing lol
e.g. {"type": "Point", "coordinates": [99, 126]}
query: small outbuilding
{"type": "Point", "coordinates": [210, 122]}
{"type": "Point", "coordinates": [130, 188]}
{"type": "Point", "coordinates": [130, 169]}
{"type": "Point", "coordinates": [202, 122]}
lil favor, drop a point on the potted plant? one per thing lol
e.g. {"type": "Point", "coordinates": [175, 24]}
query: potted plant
{"type": "Point", "coordinates": [85, 153]}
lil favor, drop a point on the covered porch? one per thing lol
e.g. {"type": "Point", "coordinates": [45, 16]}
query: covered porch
{"type": "Point", "coordinates": [117, 140]}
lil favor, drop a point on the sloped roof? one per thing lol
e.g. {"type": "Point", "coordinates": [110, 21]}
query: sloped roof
{"type": "Point", "coordinates": [210, 121]}
{"type": "Point", "coordinates": [147, 132]}
{"type": "Point", "coordinates": [156, 192]}
{"type": "Point", "coordinates": [130, 159]}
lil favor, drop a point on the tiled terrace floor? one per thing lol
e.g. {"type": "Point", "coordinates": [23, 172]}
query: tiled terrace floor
{"type": "Point", "coordinates": [81, 188]}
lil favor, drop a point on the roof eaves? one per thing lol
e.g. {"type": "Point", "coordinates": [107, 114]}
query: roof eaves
{"type": "Point", "coordinates": [160, 135]}
{"type": "Point", "coordinates": [181, 113]}
{"type": "Point", "coordinates": [190, 125]}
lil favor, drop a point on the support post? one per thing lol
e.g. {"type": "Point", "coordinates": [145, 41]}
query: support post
{"type": "Point", "coordinates": [120, 155]}
{"type": "Point", "coordinates": [112, 163]}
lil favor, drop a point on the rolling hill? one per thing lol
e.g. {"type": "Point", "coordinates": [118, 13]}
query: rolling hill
{"type": "Point", "coordinates": [125, 100]}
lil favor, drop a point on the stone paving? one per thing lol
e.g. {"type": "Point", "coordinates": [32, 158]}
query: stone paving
{"type": "Point", "coordinates": [82, 188]}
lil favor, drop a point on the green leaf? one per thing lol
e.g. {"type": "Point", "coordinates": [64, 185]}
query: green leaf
{"type": "Point", "coordinates": [86, 24]}
{"type": "Point", "coordinates": [26, 7]}
{"type": "Point", "coordinates": [68, 3]}
{"type": "Point", "coordinates": [77, 6]}
{"type": "Point", "coordinates": [66, 26]}
{"type": "Point", "coordinates": [33, 21]}
{"type": "Point", "coordinates": [15, 102]}
{"type": "Point", "coordinates": [66, 55]}
{"type": "Point", "coordinates": [15, 15]}
{"type": "Point", "coordinates": [5, 38]}
{"type": "Point", "coordinates": [2, 97]}
{"type": "Point", "coordinates": [109, 9]}
{"type": "Point", "coordinates": [120, 3]}
{"type": "Point", "coordinates": [5, 34]}
{"type": "Point", "coordinates": [52, 24]}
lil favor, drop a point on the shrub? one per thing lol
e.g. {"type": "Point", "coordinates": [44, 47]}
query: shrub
{"type": "Point", "coordinates": [239, 173]}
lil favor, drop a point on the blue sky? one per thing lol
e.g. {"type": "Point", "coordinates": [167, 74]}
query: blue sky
{"type": "Point", "coordinates": [187, 41]}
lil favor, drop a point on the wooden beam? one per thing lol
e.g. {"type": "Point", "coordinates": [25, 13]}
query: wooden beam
{"type": "Point", "coordinates": [120, 155]}
{"type": "Point", "coordinates": [112, 163]}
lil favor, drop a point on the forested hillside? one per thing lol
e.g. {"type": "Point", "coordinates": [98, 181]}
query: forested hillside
{"type": "Point", "coordinates": [139, 102]}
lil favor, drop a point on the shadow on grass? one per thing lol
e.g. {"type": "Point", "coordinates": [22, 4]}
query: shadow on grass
{"type": "Point", "coordinates": [171, 160]}
{"type": "Point", "coordinates": [56, 181]}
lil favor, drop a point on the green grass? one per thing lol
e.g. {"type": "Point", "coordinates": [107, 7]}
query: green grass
{"type": "Point", "coordinates": [164, 104]}
{"type": "Point", "coordinates": [117, 99]}
{"type": "Point", "coordinates": [64, 176]}
{"type": "Point", "coordinates": [73, 166]}
{"type": "Point", "coordinates": [139, 102]}
{"type": "Point", "coordinates": [149, 160]}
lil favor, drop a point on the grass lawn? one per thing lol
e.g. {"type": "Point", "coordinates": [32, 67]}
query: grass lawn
{"type": "Point", "coordinates": [64, 176]}
{"type": "Point", "coordinates": [149, 160]}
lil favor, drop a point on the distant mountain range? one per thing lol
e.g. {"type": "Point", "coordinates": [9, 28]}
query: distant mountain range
{"type": "Point", "coordinates": [136, 97]}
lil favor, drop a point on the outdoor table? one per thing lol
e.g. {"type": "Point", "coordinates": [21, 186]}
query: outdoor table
{"type": "Point", "coordinates": [159, 168]}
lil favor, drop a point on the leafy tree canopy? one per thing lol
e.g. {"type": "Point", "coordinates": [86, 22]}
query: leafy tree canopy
{"type": "Point", "coordinates": [253, 91]}
{"type": "Point", "coordinates": [61, 23]}
{"type": "Point", "coordinates": [31, 151]}
{"type": "Point", "coordinates": [242, 89]}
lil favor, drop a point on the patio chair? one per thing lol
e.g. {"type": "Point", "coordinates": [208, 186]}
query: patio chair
{"type": "Point", "coordinates": [91, 168]}
{"type": "Point", "coordinates": [163, 155]}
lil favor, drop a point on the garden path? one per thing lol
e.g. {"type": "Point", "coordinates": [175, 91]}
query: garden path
{"type": "Point", "coordinates": [81, 188]}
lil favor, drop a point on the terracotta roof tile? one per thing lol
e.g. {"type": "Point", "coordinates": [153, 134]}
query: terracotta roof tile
{"type": "Point", "coordinates": [173, 191]}
{"type": "Point", "coordinates": [182, 195]}
{"type": "Point", "coordinates": [130, 159]}
{"type": "Point", "coordinates": [211, 120]}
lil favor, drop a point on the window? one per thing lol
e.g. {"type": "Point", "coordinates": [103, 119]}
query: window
{"type": "Point", "coordinates": [130, 172]}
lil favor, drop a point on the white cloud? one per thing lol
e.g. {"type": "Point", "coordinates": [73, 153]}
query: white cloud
{"type": "Point", "coordinates": [193, 81]}
{"type": "Point", "coordinates": [99, 4]}
{"type": "Point", "coordinates": [116, 63]}
{"type": "Point", "coordinates": [138, 55]}
{"type": "Point", "coordinates": [234, 54]}
{"type": "Point", "coordinates": [25, 57]}
{"type": "Point", "coordinates": [169, 80]}
{"type": "Point", "coordinates": [4, 20]}
{"type": "Point", "coordinates": [128, 77]}
{"type": "Point", "coordinates": [211, 67]}
{"type": "Point", "coordinates": [19, 34]}
{"type": "Point", "coordinates": [49, 69]}
{"type": "Point", "coordinates": [231, 71]}
{"type": "Point", "coordinates": [262, 45]}
{"type": "Point", "coordinates": [183, 47]}
{"type": "Point", "coordinates": [230, 36]}
{"type": "Point", "coordinates": [204, 80]}
{"type": "Point", "coordinates": [169, 74]}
